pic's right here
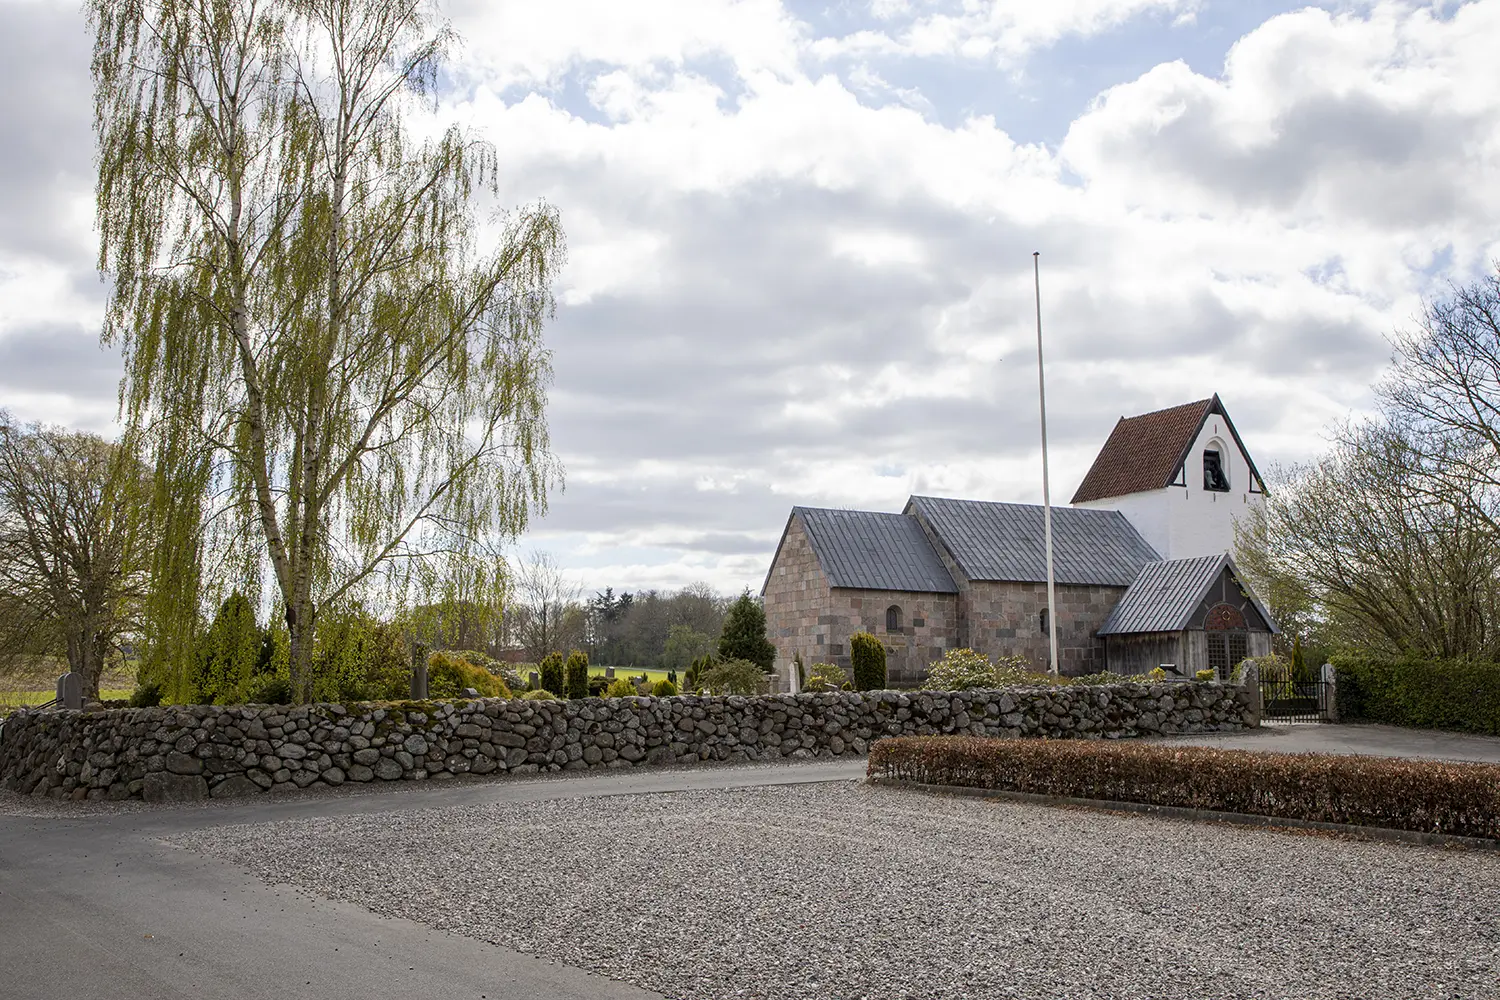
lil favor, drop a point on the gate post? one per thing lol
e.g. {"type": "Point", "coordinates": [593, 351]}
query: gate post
{"type": "Point", "coordinates": [1328, 694]}
{"type": "Point", "coordinates": [418, 672]}
{"type": "Point", "coordinates": [1250, 681]}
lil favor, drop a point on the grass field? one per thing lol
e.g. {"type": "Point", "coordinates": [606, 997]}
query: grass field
{"type": "Point", "coordinates": [11, 700]}
{"type": "Point", "coordinates": [652, 675]}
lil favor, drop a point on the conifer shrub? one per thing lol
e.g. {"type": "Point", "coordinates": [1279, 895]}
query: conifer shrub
{"type": "Point", "coordinates": [540, 694]}
{"type": "Point", "coordinates": [664, 689]}
{"type": "Point", "coordinates": [577, 679]}
{"type": "Point", "coordinates": [620, 687]}
{"type": "Point", "coordinates": [597, 685]}
{"type": "Point", "coordinates": [743, 636]}
{"type": "Point", "coordinates": [693, 679]}
{"type": "Point", "coordinates": [552, 673]}
{"type": "Point", "coordinates": [867, 655]}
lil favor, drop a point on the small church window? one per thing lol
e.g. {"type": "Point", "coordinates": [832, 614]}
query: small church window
{"type": "Point", "coordinates": [893, 619]}
{"type": "Point", "coordinates": [1213, 472]}
{"type": "Point", "coordinates": [1043, 619]}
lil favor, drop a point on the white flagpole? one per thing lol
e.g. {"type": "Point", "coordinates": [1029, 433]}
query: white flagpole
{"type": "Point", "coordinates": [1041, 383]}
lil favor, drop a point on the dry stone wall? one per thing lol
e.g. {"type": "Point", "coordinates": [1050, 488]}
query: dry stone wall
{"type": "Point", "coordinates": [192, 752]}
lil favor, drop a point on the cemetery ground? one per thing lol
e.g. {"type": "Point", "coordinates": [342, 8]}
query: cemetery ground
{"type": "Point", "coordinates": [774, 881]}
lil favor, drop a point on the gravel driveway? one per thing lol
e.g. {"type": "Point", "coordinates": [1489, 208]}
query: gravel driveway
{"type": "Point", "coordinates": [842, 890]}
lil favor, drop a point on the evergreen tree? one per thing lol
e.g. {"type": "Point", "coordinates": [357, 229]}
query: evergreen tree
{"type": "Point", "coordinates": [227, 653]}
{"type": "Point", "coordinates": [577, 680]}
{"type": "Point", "coordinates": [744, 634]}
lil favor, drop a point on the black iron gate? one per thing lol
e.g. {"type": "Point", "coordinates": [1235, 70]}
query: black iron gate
{"type": "Point", "coordinates": [1295, 701]}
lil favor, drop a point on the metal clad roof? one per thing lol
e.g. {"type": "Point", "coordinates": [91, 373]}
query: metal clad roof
{"type": "Point", "coordinates": [1006, 541]}
{"type": "Point", "coordinates": [1163, 598]}
{"type": "Point", "coordinates": [874, 550]}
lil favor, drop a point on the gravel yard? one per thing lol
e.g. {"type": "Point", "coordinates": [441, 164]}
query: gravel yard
{"type": "Point", "coordinates": [841, 890]}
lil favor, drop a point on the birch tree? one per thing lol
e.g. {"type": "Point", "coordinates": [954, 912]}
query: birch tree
{"type": "Point", "coordinates": [338, 372]}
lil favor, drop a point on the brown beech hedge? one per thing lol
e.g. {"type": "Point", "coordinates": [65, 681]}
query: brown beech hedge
{"type": "Point", "coordinates": [1427, 796]}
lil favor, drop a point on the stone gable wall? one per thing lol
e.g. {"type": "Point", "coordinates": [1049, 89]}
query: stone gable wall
{"type": "Point", "coordinates": [796, 600]}
{"type": "Point", "coordinates": [805, 616]}
{"type": "Point", "coordinates": [191, 752]}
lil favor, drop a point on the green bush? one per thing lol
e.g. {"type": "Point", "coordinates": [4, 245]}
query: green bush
{"type": "Point", "coordinates": [734, 677]}
{"type": "Point", "coordinates": [867, 655]}
{"type": "Point", "coordinates": [540, 694]}
{"type": "Point", "coordinates": [226, 654]}
{"type": "Point", "coordinates": [826, 677]}
{"type": "Point", "coordinates": [620, 687]}
{"type": "Point", "coordinates": [963, 669]}
{"type": "Point", "coordinates": [743, 636]}
{"type": "Point", "coordinates": [577, 681]}
{"type": "Point", "coordinates": [693, 679]}
{"type": "Point", "coordinates": [267, 689]}
{"type": "Point", "coordinates": [448, 674]}
{"type": "Point", "coordinates": [1204, 675]}
{"type": "Point", "coordinates": [663, 689]}
{"type": "Point", "coordinates": [1424, 795]}
{"type": "Point", "coordinates": [146, 696]}
{"type": "Point", "coordinates": [1423, 694]}
{"type": "Point", "coordinates": [597, 685]}
{"type": "Point", "coordinates": [552, 673]}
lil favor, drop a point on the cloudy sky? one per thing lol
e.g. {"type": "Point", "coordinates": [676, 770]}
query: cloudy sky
{"type": "Point", "coordinates": [801, 231]}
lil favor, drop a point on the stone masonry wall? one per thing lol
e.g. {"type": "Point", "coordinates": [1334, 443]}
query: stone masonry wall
{"type": "Point", "coordinates": [190, 752]}
{"type": "Point", "coordinates": [804, 616]}
{"type": "Point", "coordinates": [929, 627]}
{"type": "Point", "coordinates": [1004, 619]}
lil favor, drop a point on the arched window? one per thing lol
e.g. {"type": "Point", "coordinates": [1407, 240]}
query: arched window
{"type": "Point", "coordinates": [1043, 619]}
{"type": "Point", "coordinates": [1215, 472]}
{"type": "Point", "coordinates": [893, 619]}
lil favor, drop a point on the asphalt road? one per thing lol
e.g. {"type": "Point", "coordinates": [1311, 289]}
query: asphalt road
{"type": "Point", "coordinates": [93, 903]}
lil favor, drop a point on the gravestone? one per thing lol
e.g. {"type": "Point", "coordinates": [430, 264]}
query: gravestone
{"type": "Point", "coordinates": [533, 681]}
{"type": "Point", "coordinates": [70, 691]}
{"type": "Point", "coordinates": [609, 673]}
{"type": "Point", "coordinates": [419, 672]}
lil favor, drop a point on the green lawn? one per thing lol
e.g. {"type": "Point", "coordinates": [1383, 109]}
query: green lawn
{"type": "Point", "coordinates": [653, 675]}
{"type": "Point", "coordinates": [17, 699]}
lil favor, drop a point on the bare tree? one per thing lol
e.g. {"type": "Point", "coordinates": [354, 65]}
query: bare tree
{"type": "Point", "coordinates": [1444, 392]}
{"type": "Point", "coordinates": [548, 613]}
{"type": "Point", "coordinates": [1365, 549]}
{"type": "Point", "coordinates": [73, 553]}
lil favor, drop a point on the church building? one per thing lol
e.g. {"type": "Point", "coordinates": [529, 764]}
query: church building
{"type": "Point", "coordinates": [1141, 560]}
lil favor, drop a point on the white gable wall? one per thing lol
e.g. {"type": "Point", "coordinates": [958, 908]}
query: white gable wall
{"type": "Point", "coordinates": [1185, 521]}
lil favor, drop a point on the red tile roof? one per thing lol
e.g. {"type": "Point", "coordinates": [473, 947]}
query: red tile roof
{"type": "Point", "coordinates": [1143, 452]}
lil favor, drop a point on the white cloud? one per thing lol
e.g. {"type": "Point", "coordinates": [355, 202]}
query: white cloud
{"type": "Point", "coordinates": [791, 283]}
{"type": "Point", "coordinates": [1003, 32]}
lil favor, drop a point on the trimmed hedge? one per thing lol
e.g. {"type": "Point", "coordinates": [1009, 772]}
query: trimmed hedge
{"type": "Point", "coordinates": [1423, 694]}
{"type": "Point", "coordinates": [1422, 795]}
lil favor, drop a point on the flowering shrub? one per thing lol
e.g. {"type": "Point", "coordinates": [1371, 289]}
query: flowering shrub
{"type": "Point", "coordinates": [962, 669]}
{"type": "Point", "coordinates": [826, 677]}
